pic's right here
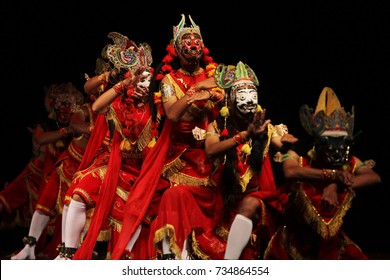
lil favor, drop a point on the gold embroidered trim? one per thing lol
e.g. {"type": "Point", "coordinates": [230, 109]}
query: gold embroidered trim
{"type": "Point", "coordinates": [62, 176]}
{"type": "Point", "coordinates": [196, 250]}
{"type": "Point", "coordinates": [169, 232]}
{"type": "Point", "coordinates": [104, 235]}
{"type": "Point", "coordinates": [74, 152]}
{"type": "Point", "coordinates": [98, 172]}
{"type": "Point", "coordinates": [63, 179]}
{"type": "Point", "coordinates": [313, 218]}
{"type": "Point", "coordinates": [34, 169]}
{"type": "Point", "coordinates": [143, 138]}
{"type": "Point", "coordinates": [115, 224]}
{"type": "Point", "coordinates": [222, 232]}
{"type": "Point", "coordinates": [291, 249]}
{"type": "Point", "coordinates": [244, 179]}
{"type": "Point", "coordinates": [86, 195]}
{"type": "Point", "coordinates": [173, 167]}
{"type": "Point", "coordinates": [122, 193]}
{"type": "Point", "coordinates": [183, 179]}
{"type": "Point", "coordinates": [271, 129]}
{"type": "Point", "coordinates": [43, 208]}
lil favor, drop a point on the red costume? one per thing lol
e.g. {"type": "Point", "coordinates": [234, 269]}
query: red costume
{"type": "Point", "coordinates": [20, 196]}
{"type": "Point", "coordinates": [309, 226]}
{"type": "Point", "coordinates": [191, 202]}
{"type": "Point", "coordinates": [178, 157]}
{"type": "Point", "coordinates": [321, 187]}
{"type": "Point", "coordinates": [261, 185]}
{"type": "Point", "coordinates": [108, 181]}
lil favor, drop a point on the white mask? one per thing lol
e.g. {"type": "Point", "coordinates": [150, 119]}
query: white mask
{"type": "Point", "coordinates": [246, 98]}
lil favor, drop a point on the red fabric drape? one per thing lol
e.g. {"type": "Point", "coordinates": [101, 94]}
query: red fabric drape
{"type": "Point", "coordinates": [104, 204]}
{"type": "Point", "coordinates": [143, 189]}
{"type": "Point", "coordinates": [95, 141]}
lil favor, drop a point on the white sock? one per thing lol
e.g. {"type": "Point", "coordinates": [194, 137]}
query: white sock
{"type": "Point", "coordinates": [184, 252]}
{"type": "Point", "coordinates": [239, 235]}
{"type": "Point", "coordinates": [75, 222]}
{"type": "Point", "coordinates": [38, 223]}
{"type": "Point", "coordinates": [166, 249]}
{"type": "Point", "coordinates": [63, 223]}
{"type": "Point", "coordinates": [133, 239]}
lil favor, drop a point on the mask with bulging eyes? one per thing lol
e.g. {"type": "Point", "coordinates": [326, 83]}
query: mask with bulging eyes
{"type": "Point", "coordinates": [191, 47]}
{"type": "Point", "coordinates": [246, 96]}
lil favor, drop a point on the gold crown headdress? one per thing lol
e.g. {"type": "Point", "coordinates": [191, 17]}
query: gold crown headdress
{"type": "Point", "coordinates": [180, 29]}
{"type": "Point", "coordinates": [125, 54]}
{"type": "Point", "coordinates": [329, 117]}
{"type": "Point", "coordinates": [232, 76]}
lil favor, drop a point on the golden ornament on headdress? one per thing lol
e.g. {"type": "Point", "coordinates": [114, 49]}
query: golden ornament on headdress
{"type": "Point", "coordinates": [328, 116]}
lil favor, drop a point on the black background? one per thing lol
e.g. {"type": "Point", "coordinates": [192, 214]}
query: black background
{"type": "Point", "coordinates": [295, 48]}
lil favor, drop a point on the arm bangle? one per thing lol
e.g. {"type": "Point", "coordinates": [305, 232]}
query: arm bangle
{"type": "Point", "coordinates": [329, 175]}
{"type": "Point", "coordinates": [119, 88]}
{"type": "Point", "coordinates": [239, 139]}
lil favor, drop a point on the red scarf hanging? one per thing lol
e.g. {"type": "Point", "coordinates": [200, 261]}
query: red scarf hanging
{"type": "Point", "coordinates": [143, 190]}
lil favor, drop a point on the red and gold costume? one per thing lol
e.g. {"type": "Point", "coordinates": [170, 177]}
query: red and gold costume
{"type": "Point", "coordinates": [22, 193]}
{"type": "Point", "coordinates": [309, 226]}
{"type": "Point", "coordinates": [20, 196]}
{"type": "Point", "coordinates": [64, 99]}
{"type": "Point", "coordinates": [108, 181]}
{"type": "Point", "coordinates": [177, 157]}
{"type": "Point", "coordinates": [260, 185]}
{"type": "Point", "coordinates": [52, 196]}
{"type": "Point", "coordinates": [312, 229]}
{"type": "Point", "coordinates": [187, 168]}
